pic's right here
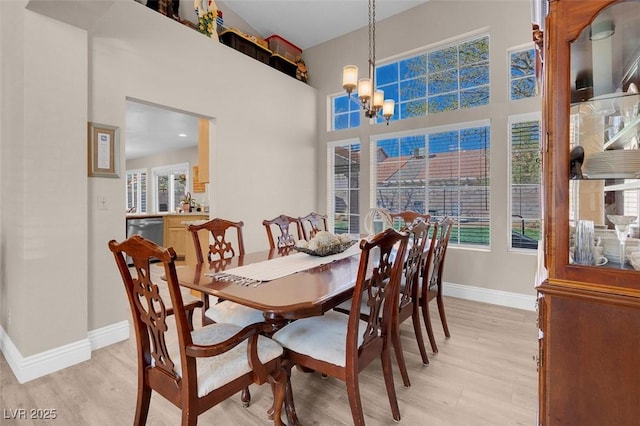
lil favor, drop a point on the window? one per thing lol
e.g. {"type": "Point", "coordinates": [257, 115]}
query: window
{"type": "Point", "coordinates": [442, 79]}
{"type": "Point", "coordinates": [344, 187]}
{"type": "Point", "coordinates": [522, 73]}
{"type": "Point", "coordinates": [442, 173]}
{"type": "Point", "coordinates": [137, 191]}
{"type": "Point", "coordinates": [459, 187]}
{"type": "Point", "coordinates": [526, 183]}
{"type": "Point", "coordinates": [171, 183]}
{"type": "Point", "coordinates": [346, 111]}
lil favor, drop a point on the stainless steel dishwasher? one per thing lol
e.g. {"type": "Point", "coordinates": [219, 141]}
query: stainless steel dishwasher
{"type": "Point", "coordinates": [150, 228]}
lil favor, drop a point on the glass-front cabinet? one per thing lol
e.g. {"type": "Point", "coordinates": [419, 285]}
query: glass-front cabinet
{"type": "Point", "coordinates": [589, 307]}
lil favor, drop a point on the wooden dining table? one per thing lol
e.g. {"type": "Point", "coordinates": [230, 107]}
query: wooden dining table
{"type": "Point", "coordinates": [302, 294]}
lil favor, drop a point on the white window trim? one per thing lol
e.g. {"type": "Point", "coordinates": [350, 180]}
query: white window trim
{"type": "Point", "coordinates": [512, 119]}
{"type": "Point", "coordinates": [331, 146]}
{"type": "Point", "coordinates": [526, 46]}
{"type": "Point", "coordinates": [166, 169]}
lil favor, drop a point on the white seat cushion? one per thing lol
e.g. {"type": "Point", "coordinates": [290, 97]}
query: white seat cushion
{"type": "Point", "coordinates": [233, 313]}
{"type": "Point", "coordinates": [216, 371]}
{"type": "Point", "coordinates": [323, 337]}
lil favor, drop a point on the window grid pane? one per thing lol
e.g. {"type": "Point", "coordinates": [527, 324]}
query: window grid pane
{"type": "Point", "coordinates": [522, 74]}
{"type": "Point", "coordinates": [526, 184]}
{"type": "Point", "coordinates": [346, 188]}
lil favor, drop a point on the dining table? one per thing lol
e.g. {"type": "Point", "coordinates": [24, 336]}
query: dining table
{"type": "Point", "coordinates": [293, 285]}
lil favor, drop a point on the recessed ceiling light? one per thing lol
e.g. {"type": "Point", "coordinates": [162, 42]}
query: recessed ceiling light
{"type": "Point", "coordinates": [182, 135]}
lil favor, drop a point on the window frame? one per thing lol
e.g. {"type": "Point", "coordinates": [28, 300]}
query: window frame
{"type": "Point", "coordinates": [172, 170]}
{"type": "Point", "coordinates": [331, 147]}
{"type": "Point", "coordinates": [139, 191]}
{"type": "Point", "coordinates": [517, 49]}
{"type": "Point", "coordinates": [511, 120]}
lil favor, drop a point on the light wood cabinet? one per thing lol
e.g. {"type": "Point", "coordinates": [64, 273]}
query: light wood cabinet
{"type": "Point", "coordinates": [203, 150]}
{"type": "Point", "coordinates": [176, 234]}
{"type": "Point", "coordinates": [589, 315]}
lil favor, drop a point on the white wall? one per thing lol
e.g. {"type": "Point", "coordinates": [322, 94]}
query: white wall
{"type": "Point", "coordinates": [58, 278]}
{"type": "Point", "coordinates": [434, 23]}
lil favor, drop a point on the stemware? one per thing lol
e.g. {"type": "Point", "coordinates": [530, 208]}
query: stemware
{"type": "Point", "coordinates": [621, 224]}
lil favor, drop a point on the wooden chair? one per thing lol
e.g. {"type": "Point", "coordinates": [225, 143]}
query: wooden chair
{"type": "Point", "coordinates": [407, 217]}
{"type": "Point", "coordinates": [341, 345]}
{"type": "Point", "coordinates": [200, 368]}
{"type": "Point", "coordinates": [221, 248]}
{"type": "Point", "coordinates": [431, 287]}
{"type": "Point", "coordinates": [286, 237]}
{"type": "Point", "coordinates": [409, 297]}
{"type": "Point", "coordinates": [311, 224]}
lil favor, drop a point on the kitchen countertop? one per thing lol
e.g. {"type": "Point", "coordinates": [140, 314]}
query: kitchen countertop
{"type": "Point", "coordinates": [150, 215]}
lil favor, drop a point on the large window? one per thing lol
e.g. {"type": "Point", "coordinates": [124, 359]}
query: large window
{"type": "Point", "coordinates": [438, 80]}
{"type": "Point", "coordinates": [344, 184]}
{"type": "Point", "coordinates": [526, 184]}
{"type": "Point", "coordinates": [346, 111]}
{"type": "Point", "coordinates": [442, 173]}
{"type": "Point", "coordinates": [522, 73]}
{"type": "Point", "coordinates": [170, 184]}
{"type": "Point", "coordinates": [137, 191]}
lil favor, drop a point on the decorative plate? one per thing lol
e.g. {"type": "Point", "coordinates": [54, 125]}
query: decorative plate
{"type": "Point", "coordinates": [326, 251]}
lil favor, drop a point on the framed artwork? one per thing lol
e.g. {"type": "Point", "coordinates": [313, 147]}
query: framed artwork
{"type": "Point", "coordinates": [103, 150]}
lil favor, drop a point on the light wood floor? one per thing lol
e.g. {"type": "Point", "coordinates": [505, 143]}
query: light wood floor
{"type": "Point", "coordinates": [483, 375]}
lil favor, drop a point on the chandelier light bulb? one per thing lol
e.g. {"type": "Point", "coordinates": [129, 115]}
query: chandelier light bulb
{"type": "Point", "coordinates": [349, 78]}
{"type": "Point", "coordinates": [364, 89]}
{"type": "Point", "coordinates": [378, 98]}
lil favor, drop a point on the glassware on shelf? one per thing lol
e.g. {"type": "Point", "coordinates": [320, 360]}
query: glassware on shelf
{"type": "Point", "coordinates": [583, 252]}
{"type": "Point", "coordinates": [621, 224]}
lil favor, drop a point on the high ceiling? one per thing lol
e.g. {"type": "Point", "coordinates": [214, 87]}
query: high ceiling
{"type": "Point", "coordinates": [151, 130]}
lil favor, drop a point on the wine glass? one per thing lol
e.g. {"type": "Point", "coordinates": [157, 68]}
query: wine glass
{"type": "Point", "coordinates": [622, 230]}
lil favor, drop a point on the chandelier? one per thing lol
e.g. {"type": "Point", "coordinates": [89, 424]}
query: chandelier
{"type": "Point", "coordinates": [372, 100]}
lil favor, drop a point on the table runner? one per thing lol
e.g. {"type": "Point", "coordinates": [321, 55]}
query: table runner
{"type": "Point", "coordinates": [279, 267]}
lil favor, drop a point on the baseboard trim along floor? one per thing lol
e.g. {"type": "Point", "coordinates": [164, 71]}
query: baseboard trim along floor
{"type": "Point", "coordinates": [34, 366]}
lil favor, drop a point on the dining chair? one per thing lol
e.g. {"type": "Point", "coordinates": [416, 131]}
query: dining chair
{"type": "Point", "coordinates": [341, 346]}
{"type": "Point", "coordinates": [286, 237]}
{"type": "Point", "coordinates": [431, 287]}
{"type": "Point", "coordinates": [194, 369]}
{"type": "Point", "coordinates": [409, 296]}
{"type": "Point", "coordinates": [408, 216]}
{"type": "Point", "coordinates": [311, 224]}
{"type": "Point", "coordinates": [224, 311]}
{"type": "Point", "coordinates": [221, 249]}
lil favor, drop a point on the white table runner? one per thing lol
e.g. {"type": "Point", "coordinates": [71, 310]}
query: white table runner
{"type": "Point", "coordinates": [279, 267]}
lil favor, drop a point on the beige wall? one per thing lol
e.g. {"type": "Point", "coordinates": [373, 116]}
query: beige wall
{"type": "Point", "coordinates": [59, 282]}
{"type": "Point", "coordinates": [434, 23]}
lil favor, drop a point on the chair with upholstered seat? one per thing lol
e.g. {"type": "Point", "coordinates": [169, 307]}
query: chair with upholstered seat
{"type": "Point", "coordinates": [311, 224]}
{"type": "Point", "coordinates": [284, 224]}
{"type": "Point", "coordinates": [409, 297]}
{"type": "Point", "coordinates": [223, 248]}
{"type": "Point", "coordinates": [340, 345]}
{"type": "Point", "coordinates": [407, 217]}
{"type": "Point", "coordinates": [194, 370]}
{"type": "Point", "coordinates": [431, 287]}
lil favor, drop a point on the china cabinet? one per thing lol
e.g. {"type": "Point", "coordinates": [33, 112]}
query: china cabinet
{"type": "Point", "coordinates": [589, 307]}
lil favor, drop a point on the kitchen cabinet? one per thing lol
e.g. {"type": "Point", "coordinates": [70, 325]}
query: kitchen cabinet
{"type": "Point", "coordinates": [589, 313]}
{"type": "Point", "coordinates": [203, 150]}
{"type": "Point", "coordinates": [177, 235]}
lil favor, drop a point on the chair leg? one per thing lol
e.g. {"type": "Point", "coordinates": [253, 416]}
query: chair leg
{"type": "Point", "coordinates": [417, 329]}
{"type": "Point", "coordinates": [443, 317]}
{"type": "Point", "coordinates": [278, 382]}
{"type": "Point", "coordinates": [397, 347]}
{"type": "Point", "coordinates": [388, 381]}
{"type": "Point", "coordinates": [142, 404]}
{"type": "Point", "coordinates": [245, 397]}
{"type": "Point", "coordinates": [205, 307]}
{"type": "Point", "coordinates": [290, 408]}
{"type": "Point", "coordinates": [427, 325]}
{"type": "Point", "coordinates": [189, 418]}
{"type": "Point", "coordinates": [353, 391]}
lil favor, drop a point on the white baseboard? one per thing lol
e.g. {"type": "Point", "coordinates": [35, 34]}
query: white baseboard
{"type": "Point", "coordinates": [34, 366]}
{"type": "Point", "coordinates": [495, 297]}
{"type": "Point", "coordinates": [109, 335]}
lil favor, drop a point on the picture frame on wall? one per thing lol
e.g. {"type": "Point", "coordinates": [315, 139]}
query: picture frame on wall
{"type": "Point", "coordinates": [103, 150]}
